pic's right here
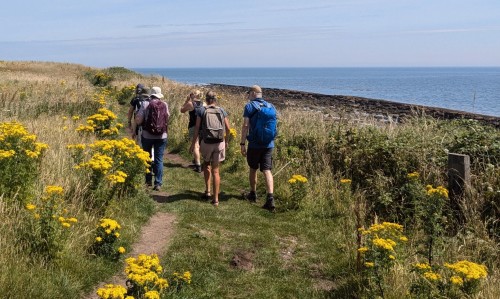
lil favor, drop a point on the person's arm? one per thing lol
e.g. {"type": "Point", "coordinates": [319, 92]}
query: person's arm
{"type": "Point", "coordinates": [244, 133]}
{"type": "Point", "coordinates": [129, 116]}
{"type": "Point", "coordinates": [167, 117]}
{"type": "Point", "coordinates": [228, 128]}
{"type": "Point", "coordinates": [188, 105]}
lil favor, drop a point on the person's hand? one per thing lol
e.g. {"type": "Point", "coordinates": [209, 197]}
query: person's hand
{"type": "Point", "coordinates": [243, 150]}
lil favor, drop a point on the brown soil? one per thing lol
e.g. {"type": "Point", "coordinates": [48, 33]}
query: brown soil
{"type": "Point", "coordinates": [154, 238]}
{"type": "Point", "coordinates": [155, 235]}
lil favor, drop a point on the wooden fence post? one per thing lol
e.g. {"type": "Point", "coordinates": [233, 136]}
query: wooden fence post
{"type": "Point", "coordinates": [458, 174]}
{"type": "Point", "coordinates": [458, 182]}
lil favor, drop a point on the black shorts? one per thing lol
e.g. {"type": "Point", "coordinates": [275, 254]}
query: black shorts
{"type": "Point", "coordinates": [262, 157]}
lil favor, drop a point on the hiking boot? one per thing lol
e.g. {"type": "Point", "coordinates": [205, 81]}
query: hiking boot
{"type": "Point", "coordinates": [251, 196]}
{"type": "Point", "coordinates": [269, 205]}
{"type": "Point", "coordinates": [206, 195]}
{"type": "Point", "coordinates": [197, 168]}
{"type": "Point", "coordinates": [157, 187]}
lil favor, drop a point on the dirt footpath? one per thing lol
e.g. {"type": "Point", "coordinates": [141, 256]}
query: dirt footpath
{"type": "Point", "coordinates": [154, 237]}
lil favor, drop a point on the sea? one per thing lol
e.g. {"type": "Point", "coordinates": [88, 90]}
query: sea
{"type": "Point", "coordinates": [470, 89]}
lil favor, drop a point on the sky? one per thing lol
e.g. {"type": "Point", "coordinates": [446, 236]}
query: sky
{"type": "Point", "coordinates": [256, 33]}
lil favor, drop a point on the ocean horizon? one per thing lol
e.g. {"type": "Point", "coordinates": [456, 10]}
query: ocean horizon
{"type": "Point", "coordinates": [469, 89]}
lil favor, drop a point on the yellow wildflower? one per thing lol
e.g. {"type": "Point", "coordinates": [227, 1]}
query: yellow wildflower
{"type": "Point", "coordinates": [54, 190]}
{"type": "Point", "coordinates": [457, 280]}
{"type": "Point", "coordinates": [30, 207]}
{"type": "Point", "coordinates": [432, 276]}
{"type": "Point", "coordinates": [362, 249]}
{"type": "Point", "coordinates": [468, 270]}
{"type": "Point", "coordinates": [422, 266]}
{"type": "Point", "coordinates": [297, 178]}
{"type": "Point", "coordinates": [413, 176]}
{"type": "Point", "coordinates": [152, 295]}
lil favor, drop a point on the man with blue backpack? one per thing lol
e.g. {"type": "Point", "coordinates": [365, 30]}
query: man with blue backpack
{"type": "Point", "coordinates": [259, 128]}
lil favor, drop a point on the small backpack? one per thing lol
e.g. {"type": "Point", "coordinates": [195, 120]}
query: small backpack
{"type": "Point", "coordinates": [139, 102]}
{"type": "Point", "coordinates": [264, 129]}
{"type": "Point", "coordinates": [212, 127]}
{"type": "Point", "coordinates": [156, 117]}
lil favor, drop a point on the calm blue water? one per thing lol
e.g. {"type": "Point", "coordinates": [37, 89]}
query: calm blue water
{"type": "Point", "coordinates": [471, 89]}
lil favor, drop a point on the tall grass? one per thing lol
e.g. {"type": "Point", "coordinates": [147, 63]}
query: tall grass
{"type": "Point", "coordinates": [320, 231]}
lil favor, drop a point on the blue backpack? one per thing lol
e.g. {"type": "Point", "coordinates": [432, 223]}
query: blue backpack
{"type": "Point", "coordinates": [264, 129]}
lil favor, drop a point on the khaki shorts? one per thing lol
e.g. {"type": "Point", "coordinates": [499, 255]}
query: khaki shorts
{"type": "Point", "coordinates": [213, 152]}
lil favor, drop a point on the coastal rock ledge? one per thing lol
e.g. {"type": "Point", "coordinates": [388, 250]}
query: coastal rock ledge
{"type": "Point", "coordinates": [333, 106]}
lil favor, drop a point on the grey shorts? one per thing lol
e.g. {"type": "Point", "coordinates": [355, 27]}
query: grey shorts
{"type": "Point", "coordinates": [191, 132]}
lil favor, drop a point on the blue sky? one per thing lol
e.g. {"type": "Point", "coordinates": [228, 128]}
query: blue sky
{"type": "Point", "coordinates": [257, 33]}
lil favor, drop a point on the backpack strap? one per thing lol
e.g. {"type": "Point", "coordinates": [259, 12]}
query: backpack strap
{"type": "Point", "coordinates": [257, 105]}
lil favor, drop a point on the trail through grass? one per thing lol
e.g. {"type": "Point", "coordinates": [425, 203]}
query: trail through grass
{"type": "Point", "coordinates": [239, 250]}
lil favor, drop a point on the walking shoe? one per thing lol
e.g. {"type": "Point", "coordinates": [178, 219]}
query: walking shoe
{"type": "Point", "coordinates": [157, 188]}
{"type": "Point", "coordinates": [269, 205]}
{"type": "Point", "coordinates": [251, 196]}
{"type": "Point", "coordinates": [206, 195]}
{"type": "Point", "coordinates": [197, 168]}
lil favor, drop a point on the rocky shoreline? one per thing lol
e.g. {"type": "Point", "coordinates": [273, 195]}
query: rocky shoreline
{"type": "Point", "coordinates": [334, 106]}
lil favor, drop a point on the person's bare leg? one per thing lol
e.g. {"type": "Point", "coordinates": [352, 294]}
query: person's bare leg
{"type": "Point", "coordinates": [206, 175]}
{"type": "Point", "coordinates": [268, 175]}
{"type": "Point", "coordinates": [253, 179]}
{"type": "Point", "coordinates": [216, 179]}
{"type": "Point", "coordinates": [196, 153]}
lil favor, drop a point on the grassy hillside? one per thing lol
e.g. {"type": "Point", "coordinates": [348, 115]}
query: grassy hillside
{"type": "Point", "coordinates": [352, 176]}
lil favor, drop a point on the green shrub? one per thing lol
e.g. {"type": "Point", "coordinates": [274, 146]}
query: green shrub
{"type": "Point", "coordinates": [20, 160]}
{"type": "Point", "coordinates": [49, 224]}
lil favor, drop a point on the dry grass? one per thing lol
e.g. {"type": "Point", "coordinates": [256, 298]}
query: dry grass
{"type": "Point", "coordinates": [50, 88]}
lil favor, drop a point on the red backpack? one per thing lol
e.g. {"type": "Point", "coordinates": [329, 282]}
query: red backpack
{"type": "Point", "coordinates": [156, 117]}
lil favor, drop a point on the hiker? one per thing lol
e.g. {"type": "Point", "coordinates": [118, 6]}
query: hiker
{"type": "Point", "coordinates": [153, 116]}
{"type": "Point", "coordinates": [141, 94]}
{"type": "Point", "coordinates": [211, 126]}
{"type": "Point", "coordinates": [192, 103]}
{"type": "Point", "coordinates": [259, 128]}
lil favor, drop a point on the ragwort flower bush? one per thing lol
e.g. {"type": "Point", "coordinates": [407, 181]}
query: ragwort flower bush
{"type": "Point", "coordinates": [20, 158]}
{"type": "Point", "coordinates": [115, 167]}
{"type": "Point", "coordinates": [103, 122]}
{"type": "Point", "coordinates": [432, 216]}
{"type": "Point", "coordinates": [380, 251]}
{"type": "Point", "coordinates": [106, 239]}
{"type": "Point", "coordinates": [111, 291]}
{"type": "Point", "coordinates": [144, 276]}
{"type": "Point", "coordinates": [298, 187]}
{"type": "Point", "coordinates": [459, 280]}
{"type": "Point", "coordinates": [49, 223]}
